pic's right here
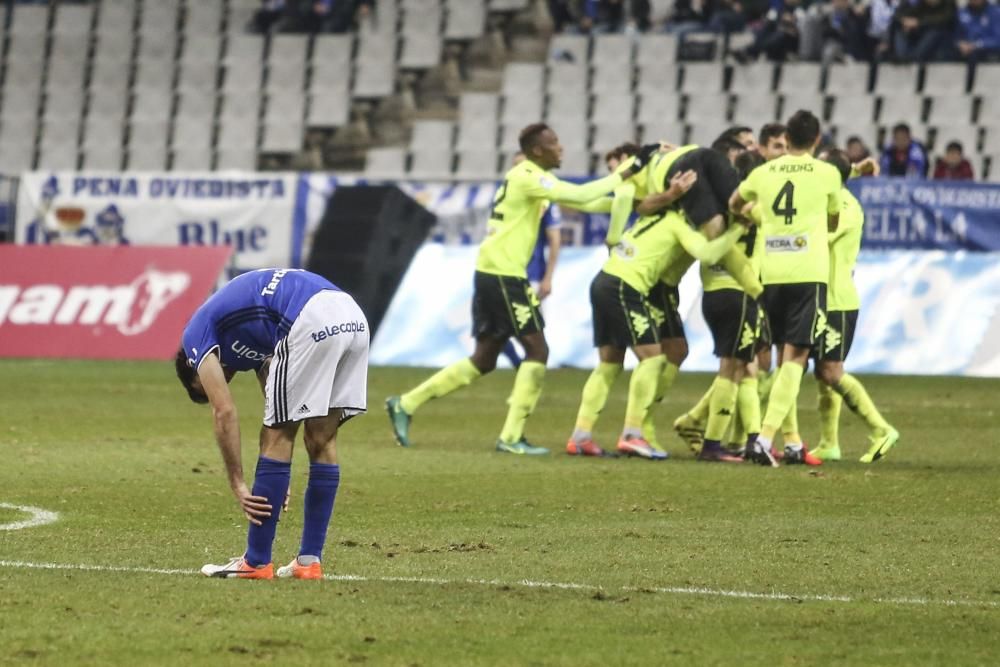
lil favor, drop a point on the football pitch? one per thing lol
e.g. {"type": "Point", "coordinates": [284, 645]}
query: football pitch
{"type": "Point", "coordinates": [448, 553]}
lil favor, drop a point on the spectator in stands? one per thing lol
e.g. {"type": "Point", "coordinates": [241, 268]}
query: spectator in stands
{"type": "Point", "coordinates": [979, 31]}
{"type": "Point", "coordinates": [272, 15]}
{"type": "Point", "coordinates": [691, 16]}
{"type": "Point", "coordinates": [856, 149]}
{"type": "Point", "coordinates": [735, 15]}
{"type": "Point", "coordinates": [878, 35]}
{"type": "Point", "coordinates": [611, 14]}
{"type": "Point", "coordinates": [574, 15]}
{"type": "Point", "coordinates": [332, 15]}
{"type": "Point", "coordinates": [843, 32]}
{"type": "Point", "coordinates": [953, 166]}
{"type": "Point", "coordinates": [778, 37]}
{"type": "Point", "coordinates": [903, 156]}
{"type": "Point", "coordinates": [925, 31]}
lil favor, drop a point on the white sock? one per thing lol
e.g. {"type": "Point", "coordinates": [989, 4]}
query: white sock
{"type": "Point", "coordinates": [307, 560]}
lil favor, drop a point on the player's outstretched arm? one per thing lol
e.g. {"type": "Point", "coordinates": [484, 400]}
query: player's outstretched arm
{"type": "Point", "coordinates": [554, 237]}
{"type": "Point", "coordinates": [621, 209]}
{"type": "Point", "coordinates": [703, 250]}
{"type": "Point", "coordinates": [226, 424]}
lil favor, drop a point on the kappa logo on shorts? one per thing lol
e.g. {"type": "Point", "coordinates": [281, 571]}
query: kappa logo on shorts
{"type": "Point", "coordinates": [832, 338]}
{"type": "Point", "coordinates": [640, 324]}
{"type": "Point", "coordinates": [522, 313]}
{"type": "Point", "coordinates": [796, 243]}
{"type": "Point", "coordinates": [658, 315]}
{"type": "Point", "coordinates": [821, 323]}
{"type": "Point", "coordinates": [748, 336]}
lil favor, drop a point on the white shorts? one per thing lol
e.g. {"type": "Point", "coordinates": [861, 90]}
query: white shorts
{"type": "Point", "coordinates": [321, 364]}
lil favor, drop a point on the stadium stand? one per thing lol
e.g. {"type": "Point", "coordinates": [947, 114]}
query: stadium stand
{"type": "Point", "coordinates": [187, 85]}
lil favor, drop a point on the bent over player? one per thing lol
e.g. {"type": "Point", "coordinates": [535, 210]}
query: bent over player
{"type": "Point", "coordinates": [307, 341]}
{"type": "Point", "coordinates": [503, 303]}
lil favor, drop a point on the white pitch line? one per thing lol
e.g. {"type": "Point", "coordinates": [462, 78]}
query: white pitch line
{"type": "Point", "coordinates": [39, 517]}
{"type": "Point", "coordinates": [528, 583]}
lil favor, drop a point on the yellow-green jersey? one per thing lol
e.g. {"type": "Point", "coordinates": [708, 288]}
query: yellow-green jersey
{"type": "Point", "coordinates": [795, 194]}
{"type": "Point", "coordinates": [624, 198]}
{"type": "Point", "coordinates": [844, 246]}
{"type": "Point", "coordinates": [656, 242]}
{"type": "Point", "coordinates": [512, 230]}
{"type": "Point", "coordinates": [660, 164]}
{"type": "Point", "coordinates": [715, 277]}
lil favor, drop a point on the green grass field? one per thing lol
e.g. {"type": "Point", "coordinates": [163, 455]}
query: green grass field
{"type": "Point", "coordinates": [434, 548]}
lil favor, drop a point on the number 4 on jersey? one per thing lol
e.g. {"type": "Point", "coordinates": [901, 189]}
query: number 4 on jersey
{"type": "Point", "coordinates": [784, 203]}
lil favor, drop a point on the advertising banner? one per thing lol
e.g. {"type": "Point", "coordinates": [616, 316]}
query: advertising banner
{"type": "Point", "coordinates": [121, 302]}
{"type": "Point", "coordinates": [924, 313]}
{"type": "Point", "coordinates": [252, 213]}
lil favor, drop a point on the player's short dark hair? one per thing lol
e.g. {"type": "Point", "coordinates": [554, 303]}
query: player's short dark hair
{"type": "Point", "coordinates": [746, 162]}
{"type": "Point", "coordinates": [186, 373]}
{"type": "Point", "coordinates": [954, 146]}
{"type": "Point", "coordinates": [734, 131]}
{"type": "Point", "coordinates": [839, 159]}
{"type": "Point", "coordinates": [854, 139]}
{"type": "Point", "coordinates": [725, 144]}
{"type": "Point", "coordinates": [901, 127]}
{"type": "Point", "coordinates": [770, 131]}
{"type": "Point", "coordinates": [803, 128]}
{"type": "Point", "coordinates": [621, 151]}
{"type": "Point", "coordinates": [529, 136]}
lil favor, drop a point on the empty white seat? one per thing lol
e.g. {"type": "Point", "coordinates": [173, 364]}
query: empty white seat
{"type": "Point", "coordinates": [239, 158]}
{"type": "Point", "coordinates": [800, 77]}
{"type": "Point", "coordinates": [671, 131]}
{"type": "Point", "coordinates": [289, 49]}
{"type": "Point", "coordinates": [29, 20]}
{"type": "Point", "coordinates": [656, 50]}
{"type": "Point", "coordinates": [480, 163]}
{"type": "Point", "coordinates": [420, 51]}
{"type": "Point", "coordinates": [192, 158]}
{"type": "Point", "coordinates": [201, 48]}
{"type": "Point", "coordinates": [55, 154]}
{"type": "Point", "coordinates": [610, 108]}
{"type": "Point", "coordinates": [950, 109]}
{"type": "Point", "coordinates": [203, 18]}
{"type": "Point", "coordinates": [847, 79]}
{"type": "Point", "coordinates": [151, 104]}
{"type": "Point", "coordinates": [572, 132]}
{"type": "Point", "coordinates": [569, 48]}
{"type": "Point", "coordinates": [115, 18]}
{"type": "Point", "coordinates": [476, 133]}
{"type": "Point", "coordinates": [703, 78]}
{"type": "Point", "coordinates": [756, 78]}
{"type": "Point", "coordinates": [659, 105]}
{"type": "Point", "coordinates": [521, 110]}
{"type": "Point", "coordinates": [523, 79]}
{"type": "Point", "coordinates": [945, 79]}
{"type": "Point", "coordinates": [575, 162]}
{"type": "Point", "coordinates": [900, 109]}
{"type": "Point", "coordinates": [241, 75]}
{"type": "Point", "coordinates": [237, 132]}
{"type": "Point", "coordinates": [332, 50]}
{"type": "Point", "coordinates": [761, 107]}
{"type": "Point", "coordinates": [987, 81]}
{"type": "Point", "coordinates": [809, 100]}
{"type": "Point", "coordinates": [374, 78]}
{"type": "Point", "coordinates": [148, 133]}
{"type": "Point", "coordinates": [657, 78]}
{"type": "Point", "coordinates": [612, 50]}
{"type": "Point", "coordinates": [853, 108]}
{"type": "Point", "coordinates": [283, 137]}
{"type": "Point", "coordinates": [608, 135]}
{"type": "Point", "coordinates": [328, 109]}
{"type": "Point", "coordinates": [704, 132]}
{"type": "Point", "coordinates": [154, 74]}
{"type": "Point", "coordinates": [244, 48]}
{"type": "Point", "coordinates": [197, 77]}
{"type": "Point", "coordinates": [72, 19]}
{"type": "Point", "coordinates": [99, 130]}
{"type": "Point", "coordinates": [102, 157]}
{"type": "Point", "coordinates": [431, 135]}
{"type": "Point", "coordinates": [65, 103]}
{"type": "Point", "coordinates": [431, 163]}
{"type": "Point", "coordinates": [147, 157]}
{"type": "Point", "coordinates": [612, 82]}
{"type": "Point", "coordinates": [707, 107]}
{"type": "Point", "coordinates": [895, 80]}
{"type": "Point", "coordinates": [192, 132]}
{"type": "Point", "coordinates": [385, 162]}
{"type": "Point", "coordinates": [236, 104]}
{"type": "Point", "coordinates": [465, 20]}
{"type": "Point", "coordinates": [289, 80]}
{"type": "Point", "coordinates": [478, 104]}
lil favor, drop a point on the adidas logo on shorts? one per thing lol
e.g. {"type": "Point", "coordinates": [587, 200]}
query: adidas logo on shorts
{"type": "Point", "coordinates": [302, 408]}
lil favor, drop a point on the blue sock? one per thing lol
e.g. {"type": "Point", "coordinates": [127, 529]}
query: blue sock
{"type": "Point", "coordinates": [510, 352]}
{"type": "Point", "coordinates": [324, 478]}
{"type": "Point", "coordinates": [270, 481]}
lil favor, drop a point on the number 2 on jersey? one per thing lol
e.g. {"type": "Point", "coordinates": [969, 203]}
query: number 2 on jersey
{"type": "Point", "coordinates": [784, 203]}
{"type": "Point", "coordinates": [501, 194]}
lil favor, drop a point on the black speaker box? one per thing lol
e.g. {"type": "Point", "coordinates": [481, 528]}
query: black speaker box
{"type": "Point", "coordinates": [365, 242]}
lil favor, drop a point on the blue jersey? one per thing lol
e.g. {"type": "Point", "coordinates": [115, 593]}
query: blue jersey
{"type": "Point", "coordinates": [245, 319]}
{"type": "Point", "coordinates": [536, 265]}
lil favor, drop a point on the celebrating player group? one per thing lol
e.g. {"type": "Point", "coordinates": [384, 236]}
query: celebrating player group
{"type": "Point", "coordinates": [776, 233]}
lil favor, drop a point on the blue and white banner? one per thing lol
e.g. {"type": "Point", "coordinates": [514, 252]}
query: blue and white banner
{"type": "Point", "coordinates": [252, 212]}
{"type": "Point", "coordinates": [910, 214]}
{"type": "Point", "coordinates": [927, 313]}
